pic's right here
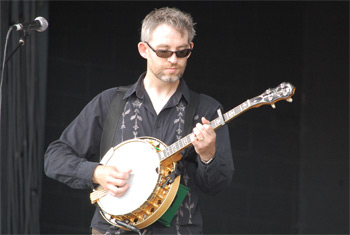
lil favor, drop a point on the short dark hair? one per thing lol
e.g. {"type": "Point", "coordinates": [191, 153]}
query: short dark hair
{"type": "Point", "coordinates": [173, 17]}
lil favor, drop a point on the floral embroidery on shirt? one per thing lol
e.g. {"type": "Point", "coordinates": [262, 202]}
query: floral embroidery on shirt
{"type": "Point", "coordinates": [137, 105]}
{"type": "Point", "coordinates": [180, 108]}
{"type": "Point", "coordinates": [125, 112]}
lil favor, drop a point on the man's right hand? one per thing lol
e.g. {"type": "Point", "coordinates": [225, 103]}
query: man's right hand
{"type": "Point", "coordinates": [111, 179]}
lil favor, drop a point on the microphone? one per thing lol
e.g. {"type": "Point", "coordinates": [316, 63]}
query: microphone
{"type": "Point", "coordinates": [39, 24]}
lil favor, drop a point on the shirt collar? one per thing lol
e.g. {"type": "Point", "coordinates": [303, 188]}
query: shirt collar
{"type": "Point", "coordinates": [139, 89]}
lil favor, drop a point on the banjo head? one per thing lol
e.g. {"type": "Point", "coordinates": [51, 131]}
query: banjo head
{"type": "Point", "coordinates": [142, 158]}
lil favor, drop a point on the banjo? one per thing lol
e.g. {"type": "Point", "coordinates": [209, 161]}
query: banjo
{"type": "Point", "coordinates": [152, 187]}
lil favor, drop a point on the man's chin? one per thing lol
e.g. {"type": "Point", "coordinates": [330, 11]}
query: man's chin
{"type": "Point", "coordinates": [169, 79]}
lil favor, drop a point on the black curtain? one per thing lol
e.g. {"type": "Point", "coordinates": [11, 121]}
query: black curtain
{"type": "Point", "coordinates": [22, 119]}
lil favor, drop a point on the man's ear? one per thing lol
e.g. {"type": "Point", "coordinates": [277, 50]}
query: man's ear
{"type": "Point", "coordinates": [142, 49]}
{"type": "Point", "coordinates": [191, 45]}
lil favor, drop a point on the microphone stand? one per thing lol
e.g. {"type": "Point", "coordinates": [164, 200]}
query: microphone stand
{"type": "Point", "coordinates": [21, 42]}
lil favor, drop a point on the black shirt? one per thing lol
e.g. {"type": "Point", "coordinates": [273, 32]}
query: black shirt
{"type": "Point", "coordinates": [73, 158]}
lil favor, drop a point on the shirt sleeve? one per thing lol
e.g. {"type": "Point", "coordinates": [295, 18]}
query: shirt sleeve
{"type": "Point", "coordinates": [216, 176]}
{"type": "Point", "coordinates": [73, 158]}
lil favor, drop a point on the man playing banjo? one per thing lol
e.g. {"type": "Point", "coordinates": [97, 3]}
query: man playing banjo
{"type": "Point", "coordinates": [154, 106]}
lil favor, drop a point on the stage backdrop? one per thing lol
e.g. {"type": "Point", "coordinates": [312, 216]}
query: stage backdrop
{"type": "Point", "coordinates": [22, 117]}
{"type": "Point", "coordinates": [291, 162]}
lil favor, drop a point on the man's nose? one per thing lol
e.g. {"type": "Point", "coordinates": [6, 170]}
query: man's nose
{"type": "Point", "coordinates": [173, 58]}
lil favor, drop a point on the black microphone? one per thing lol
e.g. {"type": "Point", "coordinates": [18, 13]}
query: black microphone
{"type": "Point", "coordinates": [39, 24]}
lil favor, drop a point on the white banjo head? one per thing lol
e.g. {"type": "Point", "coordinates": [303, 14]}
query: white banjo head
{"type": "Point", "coordinates": [142, 158]}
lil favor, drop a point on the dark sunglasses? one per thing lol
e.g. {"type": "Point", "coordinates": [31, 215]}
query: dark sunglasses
{"type": "Point", "coordinates": [166, 53]}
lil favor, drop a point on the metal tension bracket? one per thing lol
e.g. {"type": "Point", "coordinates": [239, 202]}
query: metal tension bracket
{"type": "Point", "coordinates": [221, 118]}
{"type": "Point", "coordinates": [175, 173]}
{"type": "Point", "coordinates": [169, 179]}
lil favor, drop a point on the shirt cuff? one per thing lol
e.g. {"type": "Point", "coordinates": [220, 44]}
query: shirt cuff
{"type": "Point", "coordinates": [86, 171]}
{"type": "Point", "coordinates": [206, 164]}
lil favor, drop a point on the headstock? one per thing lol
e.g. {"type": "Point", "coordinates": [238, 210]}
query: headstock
{"type": "Point", "coordinates": [282, 92]}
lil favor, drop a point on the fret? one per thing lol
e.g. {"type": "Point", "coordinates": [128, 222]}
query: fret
{"type": "Point", "coordinates": [171, 149]}
{"type": "Point", "coordinates": [232, 113]}
{"type": "Point", "coordinates": [177, 145]}
{"type": "Point", "coordinates": [238, 109]}
{"type": "Point", "coordinates": [213, 123]}
{"type": "Point", "coordinates": [244, 106]}
{"type": "Point", "coordinates": [161, 155]}
{"type": "Point", "coordinates": [187, 140]}
{"type": "Point", "coordinates": [226, 117]}
{"type": "Point", "coordinates": [167, 152]}
{"type": "Point", "coordinates": [181, 143]}
{"type": "Point", "coordinates": [217, 122]}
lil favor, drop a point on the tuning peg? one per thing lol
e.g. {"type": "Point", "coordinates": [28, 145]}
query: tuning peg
{"type": "Point", "coordinates": [290, 100]}
{"type": "Point", "coordinates": [273, 106]}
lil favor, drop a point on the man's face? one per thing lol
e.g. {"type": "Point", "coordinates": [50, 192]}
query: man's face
{"type": "Point", "coordinates": [169, 69]}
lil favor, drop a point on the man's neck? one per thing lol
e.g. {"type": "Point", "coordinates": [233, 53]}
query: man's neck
{"type": "Point", "coordinates": [159, 91]}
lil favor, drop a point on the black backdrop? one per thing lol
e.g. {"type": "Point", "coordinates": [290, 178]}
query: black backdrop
{"type": "Point", "coordinates": [291, 163]}
{"type": "Point", "coordinates": [22, 111]}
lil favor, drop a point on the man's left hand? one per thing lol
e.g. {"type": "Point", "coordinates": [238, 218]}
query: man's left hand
{"type": "Point", "coordinates": [204, 140]}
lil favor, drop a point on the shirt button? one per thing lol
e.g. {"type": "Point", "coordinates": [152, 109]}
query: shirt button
{"type": "Point", "coordinates": [158, 126]}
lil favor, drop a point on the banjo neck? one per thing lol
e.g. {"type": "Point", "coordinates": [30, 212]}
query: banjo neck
{"type": "Point", "coordinates": [282, 92]}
